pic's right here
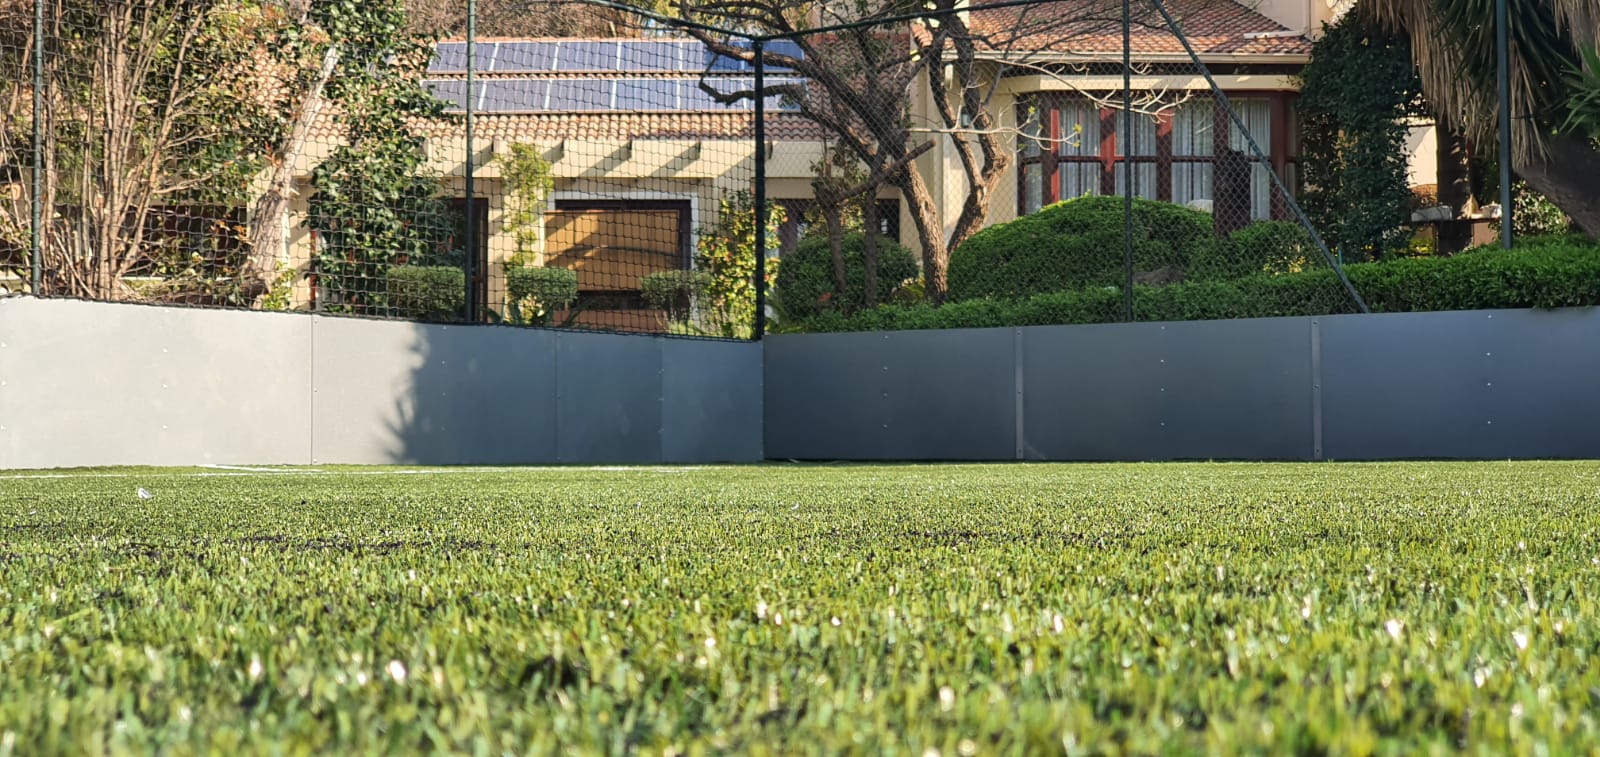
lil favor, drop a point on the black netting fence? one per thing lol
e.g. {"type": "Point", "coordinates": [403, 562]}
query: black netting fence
{"type": "Point", "coordinates": [713, 170]}
{"type": "Point", "coordinates": [381, 159]}
{"type": "Point", "coordinates": [1045, 162]}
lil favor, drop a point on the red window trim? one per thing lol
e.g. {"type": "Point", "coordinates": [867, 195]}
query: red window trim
{"type": "Point", "coordinates": [1050, 157]}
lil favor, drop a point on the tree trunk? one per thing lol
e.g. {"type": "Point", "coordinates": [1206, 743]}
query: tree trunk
{"type": "Point", "coordinates": [930, 233]}
{"type": "Point", "coordinates": [831, 211]}
{"type": "Point", "coordinates": [1568, 174]}
{"type": "Point", "coordinates": [869, 248]}
{"type": "Point", "coordinates": [1455, 189]}
{"type": "Point", "coordinates": [266, 218]}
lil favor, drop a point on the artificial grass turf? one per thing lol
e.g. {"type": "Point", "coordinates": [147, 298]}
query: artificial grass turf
{"type": "Point", "coordinates": [1083, 608]}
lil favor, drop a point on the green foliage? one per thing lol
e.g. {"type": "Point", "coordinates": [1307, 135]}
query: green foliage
{"type": "Point", "coordinates": [1118, 609]}
{"type": "Point", "coordinates": [727, 253]}
{"type": "Point", "coordinates": [1274, 247]}
{"type": "Point", "coordinates": [375, 201]}
{"type": "Point", "coordinates": [804, 286]}
{"type": "Point", "coordinates": [534, 293]}
{"type": "Point", "coordinates": [528, 182]}
{"type": "Point", "coordinates": [674, 292]}
{"type": "Point", "coordinates": [426, 293]}
{"type": "Point", "coordinates": [1583, 103]}
{"type": "Point", "coordinates": [1551, 272]}
{"type": "Point", "coordinates": [1074, 244]}
{"type": "Point", "coordinates": [1533, 214]}
{"type": "Point", "coordinates": [1355, 96]}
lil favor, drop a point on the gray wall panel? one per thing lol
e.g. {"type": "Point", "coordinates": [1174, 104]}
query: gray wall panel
{"type": "Point", "coordinates": [823, 396]}
{"type": "Point", "coordinates": [1160, 391]}
{"type": "Point", "coordinates": [711, 408]}
{"type": "Point", "coordinates": [950, 395]}
{"type": "Point", "coordinates": [608, 398]}
{"type": "Point", "coordinates": [1479, 384]}
{"type": "Point", "coordinates": [433, 394]}
{"type": "Point", "coordinates": [94, 383]}
{"type": "Point", "coordinates": [929, 395]}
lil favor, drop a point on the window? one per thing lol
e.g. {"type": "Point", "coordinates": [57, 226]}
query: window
{"type": "Point", "coordinates": [1071, 147]}
{"type": "Point", "coordinates": [612, 244]}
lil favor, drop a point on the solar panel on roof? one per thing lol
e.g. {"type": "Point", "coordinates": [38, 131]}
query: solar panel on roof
{"type": "Point", "coordinates": [654, 56]}
{"type": "Point", "coordinates": [449, 56]}
{"type": "Point", "coordinates": [586, 94]}
{"type": "Point", "coordinates": [526, 56]}
{"type": "Point", "coordinates": [648, 94]}
{"type": "Point", "coordinates": [586, 56]}
{"type": "Point", "coordinates": [580, 94]}
{"type": "Point", "coordinates": [512, 94]}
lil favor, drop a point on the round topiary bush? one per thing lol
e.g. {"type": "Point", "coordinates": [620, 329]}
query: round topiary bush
{"type": "Point", "coordinates": [1073, 245]}
{"type": "Point", "coordinates": [804, 286]}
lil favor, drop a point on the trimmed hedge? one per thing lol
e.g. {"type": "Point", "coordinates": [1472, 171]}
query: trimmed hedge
{"type": "Point", "coordinates": [427, 293]}
{"type": "Point", "coordinates": [804, 285]}
{"type": "Point", "coordinates": [1073, 245]}
{"type": "Point", "coordinates": [552, 287]}
{"type": "Point", "coordinates": [1546, 273]}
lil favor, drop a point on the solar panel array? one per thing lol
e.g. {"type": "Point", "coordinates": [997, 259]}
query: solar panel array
{"type": "Point", "coordinates": [600, 76]}
{"type": "Point", "coordinates": [591, 56]}
{"type": "Point", "coordinates": [520, 95]}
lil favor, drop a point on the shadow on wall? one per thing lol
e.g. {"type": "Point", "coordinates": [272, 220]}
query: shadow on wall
{"type": "Point", "coordinates": [486, 395]}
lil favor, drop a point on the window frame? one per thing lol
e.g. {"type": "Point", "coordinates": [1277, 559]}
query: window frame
{"type": "Point", "coordinates": [1281, 155]}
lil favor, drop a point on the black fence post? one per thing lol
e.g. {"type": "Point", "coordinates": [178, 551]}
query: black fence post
{"type": "Point", "coordinates": [760, 325]}
{"type": "Point", "coordinates": [1502, 45]}
{"type": "Point", "coordinates": [1126, 148]}
{"type": "Point", "coordinates": [468, 268]}
{"type": "Point", "coordinates": [36, 237]}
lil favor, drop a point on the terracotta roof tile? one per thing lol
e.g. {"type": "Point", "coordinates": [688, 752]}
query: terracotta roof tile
{"type": "Point", "coordinates": [608, 126]}
{"type": "Point", "coordinates": [1213, 27]}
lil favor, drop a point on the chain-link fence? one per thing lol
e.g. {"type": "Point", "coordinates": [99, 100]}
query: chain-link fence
{"type": "Point", "coordinates": [1048, 162]}
{"type": "Point", "coordinates": [1101, 161]}
{"type": "Point", "coordinates": [366, 158]}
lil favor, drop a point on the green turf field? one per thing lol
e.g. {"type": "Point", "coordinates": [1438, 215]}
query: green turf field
{"type": "Point", "coordinates": [964, 609]}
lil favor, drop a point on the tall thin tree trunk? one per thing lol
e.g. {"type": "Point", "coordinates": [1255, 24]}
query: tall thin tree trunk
{"type": "Point", "coordinates": [926, 218]}
{"type": "Point", "coordinates": [869, 246]}
{"type": "Point", "coordinates": [1455, 188]}
{"type": "Point", "coordinates": [267, 217]}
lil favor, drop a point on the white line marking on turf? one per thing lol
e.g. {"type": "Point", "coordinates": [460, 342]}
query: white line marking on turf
{"type": "Point", "coordinates": [261, 470]}
{"type": "Point", "coordinates": [233, 471]}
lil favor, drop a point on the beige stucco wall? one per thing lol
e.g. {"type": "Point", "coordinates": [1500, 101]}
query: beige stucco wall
{"type": "Point", "coordinates": [700, 171]}
{"type": "Point", "coordinates": [1422, 155]}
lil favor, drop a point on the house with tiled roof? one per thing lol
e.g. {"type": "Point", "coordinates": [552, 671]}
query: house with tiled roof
{"type": "Point", "coordinates": [641, 153]}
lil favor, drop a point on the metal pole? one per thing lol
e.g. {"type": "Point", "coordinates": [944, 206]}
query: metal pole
{"type": "Point", "coordinates": [472, 210]}
{"type": "Point", "coordinates": [1502, 44]}
{"type": "Point", "coordinates": [36, 237]}
{"type": "Point", "coordinates": [1126, 143]}
{"type": "Point", "coordinates": [760, 326]}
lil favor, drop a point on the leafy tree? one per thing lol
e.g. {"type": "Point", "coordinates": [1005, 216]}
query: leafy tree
{"type": "Point", "coordinates": [860, 85]}
{"type": "Point", "coordinates": [150, 107]}
{"type": "Point", "coordinates": [1355, 97]}
{"type": "Point", "coordinates": [375, 201]}
{"type": "Point", "coordinates": [727, 253]}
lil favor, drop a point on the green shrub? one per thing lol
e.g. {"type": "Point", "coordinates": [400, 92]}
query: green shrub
{"type": "Point", "coordinates": [674, 291]}
{"type": "Point", "coordinates": [1072, 245]}
{"type": "Point", "coordinates": [1274, 247]}
{"type": "Point", "coordinates": [804, 286]}
{"type": "Point", "coordinates": [1545, 273]}
{"type": "Point", "coordinates": [427, 293]}
{"type": "Point", "coordinates": [535, 292]}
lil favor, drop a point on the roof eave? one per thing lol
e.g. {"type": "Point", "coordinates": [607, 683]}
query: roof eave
{"type": "Point", "coordinates": [1035, 57]}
